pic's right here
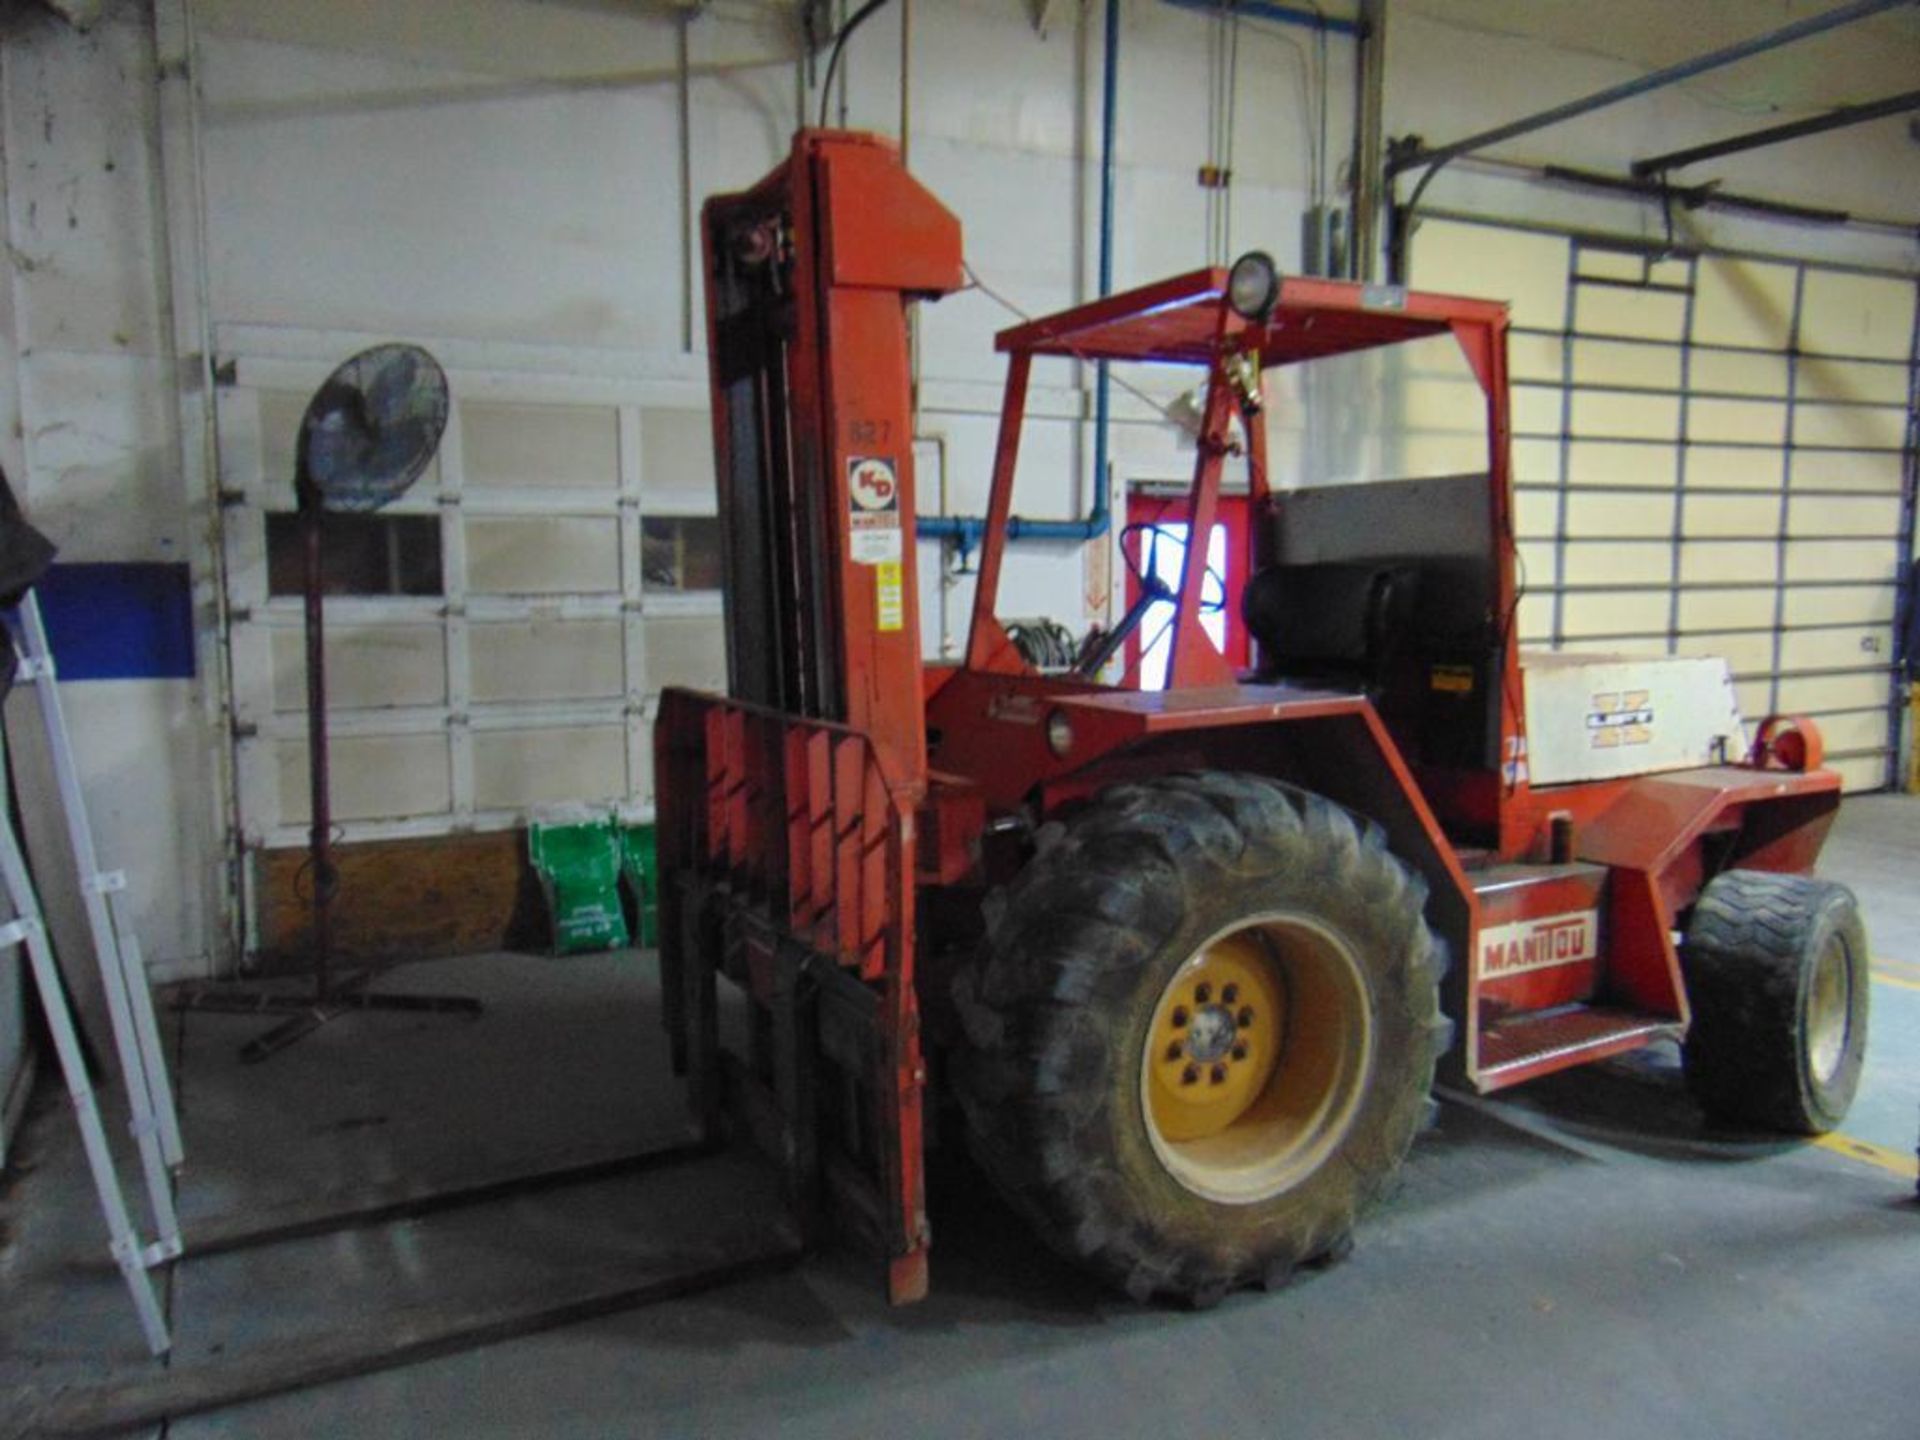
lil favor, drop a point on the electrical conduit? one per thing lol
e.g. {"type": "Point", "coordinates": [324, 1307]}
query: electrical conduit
{"type": "Point", "coordinates": [966, 530]}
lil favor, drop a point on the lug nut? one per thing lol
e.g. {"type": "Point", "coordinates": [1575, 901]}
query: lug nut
{"type": "Point", "coordinates": [1219, 1075]}
{"type": "Point", "coordinates": [1239, 1052]}
{"type": "Point", "coordinates": [1190, 1075]}
{"type": "Point", "coordinates": [1203, 992]}
{"type": "Point", "coordinates": [1175, 1050]}
{"type": "Point", "coordinates": [1179, 1015]}
{"type": "Point", "coordinates": [1245, 1017]}
{"type": "Point", "coordinates": [1229, 994]}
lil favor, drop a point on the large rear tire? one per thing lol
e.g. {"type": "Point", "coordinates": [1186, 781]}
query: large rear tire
{"type": "Point", "coordinates": [1778, 977]}
{"type": "Point", "coordinates": [1201, 1033]}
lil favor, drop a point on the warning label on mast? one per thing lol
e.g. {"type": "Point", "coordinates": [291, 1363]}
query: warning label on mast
{"type": "Point", "coordinates": [873, 509]}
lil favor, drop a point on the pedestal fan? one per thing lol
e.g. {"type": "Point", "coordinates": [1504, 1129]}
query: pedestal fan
{"type": "Point", "coordinates": [367, 435]}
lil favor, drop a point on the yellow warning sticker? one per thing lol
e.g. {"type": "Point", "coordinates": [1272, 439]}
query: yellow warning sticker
{"type": "Point", "coordinates": [1453, 679]}
{"type": "Point", "coordinates": [890, 611]}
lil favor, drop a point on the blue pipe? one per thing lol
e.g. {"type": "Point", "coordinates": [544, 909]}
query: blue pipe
{"type": "Point", "coordinates": [1109, 124]}
{"type": "Point", "coordinates": [1279, 14]}
{"type": "Point", "coordinates": [969, 529]}
{"type": "Point", "coordinates": [966, 531]}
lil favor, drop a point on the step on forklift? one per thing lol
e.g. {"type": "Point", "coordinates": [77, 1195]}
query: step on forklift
{"type": "Point", "coordinates": [1186, 959]}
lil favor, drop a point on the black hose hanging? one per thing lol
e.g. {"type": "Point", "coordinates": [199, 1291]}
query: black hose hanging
{"type": "Point", "coordinates": [860, 16]}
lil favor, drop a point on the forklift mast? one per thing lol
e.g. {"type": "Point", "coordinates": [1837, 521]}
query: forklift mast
{"type": "Point", "coordinates": [787, 818]}
{"type": "Point", "coordinates": [810, 274]}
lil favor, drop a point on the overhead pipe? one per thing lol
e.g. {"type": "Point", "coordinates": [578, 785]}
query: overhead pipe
{"type": "Point", "coordinates": [1705, 196]}
{"type": "Point", "coordinates": [966, 531]}
{"type": "Point", "coordinates": [1694, 197]}
{"type": "Point", "coordinates": [1278, 14]}
{"type": "Point", "coordinates": [1423, 158]}
{"type": "Point", "coordinates": [1414, 155]}
{"type": "Point", "coordinates": [1777, 134]}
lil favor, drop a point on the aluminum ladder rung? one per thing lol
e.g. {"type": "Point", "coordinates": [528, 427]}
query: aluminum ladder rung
{"type": "Point", "coordinates": [153, 1122]}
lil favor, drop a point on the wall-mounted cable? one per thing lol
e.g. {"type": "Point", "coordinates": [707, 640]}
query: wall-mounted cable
{"type": "Point", "coordinates": [859, 18]}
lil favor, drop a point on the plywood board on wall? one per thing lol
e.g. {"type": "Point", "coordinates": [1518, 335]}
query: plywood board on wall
{"type": "Point", "coordinates": [405, 900]}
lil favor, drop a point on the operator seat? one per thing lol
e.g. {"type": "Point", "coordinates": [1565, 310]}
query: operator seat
{"type": "Point", "coordinates": [1343, 623]}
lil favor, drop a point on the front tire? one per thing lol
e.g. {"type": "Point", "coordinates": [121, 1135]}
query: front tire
{"type": "Point", "coordinates": [1202, 1032]}
{"type": "Point", "coordinates": [1778, 977]}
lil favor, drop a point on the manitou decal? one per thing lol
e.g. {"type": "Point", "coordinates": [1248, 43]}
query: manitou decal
{"type": "Point", "coordinates": [1539, 944]}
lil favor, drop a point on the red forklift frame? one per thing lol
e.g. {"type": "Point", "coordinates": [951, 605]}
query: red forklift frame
{"type": "Point", "coordinates": [801, 818]}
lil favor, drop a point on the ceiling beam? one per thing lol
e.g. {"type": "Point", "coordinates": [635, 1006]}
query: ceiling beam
{"type": "Point", "coordinates": [1777, 134]}
{"type": "Point", "coordinates": [1421, 157]}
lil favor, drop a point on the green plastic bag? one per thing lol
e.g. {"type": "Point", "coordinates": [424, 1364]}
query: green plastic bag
{"type": "Point", "coordinates": [639, 864]}
{"type": "Point", "coordinates": [578, 859]}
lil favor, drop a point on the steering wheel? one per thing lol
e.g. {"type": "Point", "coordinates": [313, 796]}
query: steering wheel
{"type": "Point", "coordinates": [1146, 574]}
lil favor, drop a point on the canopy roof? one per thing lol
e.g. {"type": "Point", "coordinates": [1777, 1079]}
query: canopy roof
{"type": "Point", "coordinates": [1175, 321]}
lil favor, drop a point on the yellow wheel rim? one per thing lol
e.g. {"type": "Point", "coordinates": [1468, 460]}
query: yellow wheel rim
{"type": "Point", "coordinates": [1216, 1036]}
{"type": "Point", "coordinates": [1829, 1012]}
{"type": "Point", "coordinates": [1257, 1058]}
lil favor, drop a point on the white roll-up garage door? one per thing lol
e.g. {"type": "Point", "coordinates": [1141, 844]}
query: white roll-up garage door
{"type": "Point", "coordinates": [1711, 456]}
{"type": "Point", "coordinates": [498, 637]}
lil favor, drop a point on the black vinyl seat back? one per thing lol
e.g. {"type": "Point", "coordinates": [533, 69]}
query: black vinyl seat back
{"type": "Point", "coordinates": [1388, 587]}
{"type": "Point", "coordinates": [1332, 616]}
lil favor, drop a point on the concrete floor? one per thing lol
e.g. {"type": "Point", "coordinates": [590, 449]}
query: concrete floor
{"type": "Point", "coordinates": [1578, 1259]}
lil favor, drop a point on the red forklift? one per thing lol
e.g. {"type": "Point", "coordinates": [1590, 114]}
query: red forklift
{"type": "Point", "coordinates": [1186, 959]}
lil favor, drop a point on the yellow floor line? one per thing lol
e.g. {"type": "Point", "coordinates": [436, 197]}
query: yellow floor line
{"type": "Point", "coordinates": [1900, 1162]}
{"type": "Point", "coordinates": [1885, 978]}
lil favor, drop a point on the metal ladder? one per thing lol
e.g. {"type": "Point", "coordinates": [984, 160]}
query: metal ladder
{"type": "Point", "coordinates": [136, 1033]}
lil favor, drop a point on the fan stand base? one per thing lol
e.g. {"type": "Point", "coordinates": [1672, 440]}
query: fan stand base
{"type": "Point", "coordinates": [308, 1013]}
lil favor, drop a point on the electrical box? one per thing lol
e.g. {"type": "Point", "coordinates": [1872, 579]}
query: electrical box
{"type": "Point", "coordinates": [1601, 717]}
